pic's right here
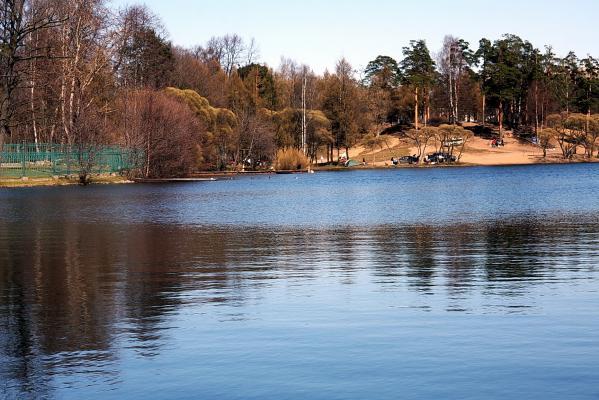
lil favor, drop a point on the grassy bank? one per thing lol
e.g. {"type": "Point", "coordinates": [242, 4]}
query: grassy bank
{"type": "Point", "coordinates": [60, 181]}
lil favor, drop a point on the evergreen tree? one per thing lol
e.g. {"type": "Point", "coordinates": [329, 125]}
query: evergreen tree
{"type": "Point", "coordinates": [383, 72]}
{"type": "Point", "coordinates": [418, 72]}
{"type": "Point", "coordinates": [507, 74]}
{"type": "Point", "coordinates": [260, 82]}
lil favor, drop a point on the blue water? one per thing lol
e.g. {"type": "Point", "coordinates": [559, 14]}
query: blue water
{"type": "Point", "coordinates": [414, 284]}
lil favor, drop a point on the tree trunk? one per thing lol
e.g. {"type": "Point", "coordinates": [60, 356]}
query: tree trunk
{"type": "Point", "coordinates": [455, 111]}
{"type": "Point", "coordinates": [416, 109]}
{"type": "Point", "coordinates": [588, 120]}
{"type": "Point", "coordinates": [500, 119]}
{"type": "Point", "coordinates": [591, 146]}
{"type": "Point", "coordinates": [484, 111]}
{"type": "Point", "coordinates": [451, 104]}
{"type": "Point", "coordinates": [427, 113]}
{"type": "Point", "coordinates": [543, 111]}
{"type": "Point", "coordinates": [537, 109]}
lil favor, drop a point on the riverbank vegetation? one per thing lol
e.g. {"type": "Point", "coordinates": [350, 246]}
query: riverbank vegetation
{"type": "Point", "coordinates": [290, 159]}
{"type": "Point", "coordinates": [84, 74]}
{"type": "Point", "coordinates": [61, 181]}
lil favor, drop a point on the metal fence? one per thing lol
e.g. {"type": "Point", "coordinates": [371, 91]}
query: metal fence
{"type": "Point", "coordinates": [44, 160]}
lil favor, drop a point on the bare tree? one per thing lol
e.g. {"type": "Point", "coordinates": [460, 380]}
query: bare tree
{"type": "Point", "coordinates": [18, 20]}
{"type": "Point", "coordinates": [233, 50]}
{"type": "Point", "coordinates": [421, 138]}
{"type": "Point", "coordinates": [452, 61]}
{"type": "Point", "coordinates": [84, 58]}
{"type": "Point", "coordinates": [89, 139]}
{"type": "Point", "coordinates": [252, 52]}
{"type": "Point", "coordinates": [162, 131]}
{"type": "Point", "coordinates": [256, 138]}
{"type": "Point", "coordinates": [229, 51]}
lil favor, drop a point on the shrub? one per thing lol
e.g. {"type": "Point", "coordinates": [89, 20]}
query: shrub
{"type": "Point", "coordinates": [289, 159]}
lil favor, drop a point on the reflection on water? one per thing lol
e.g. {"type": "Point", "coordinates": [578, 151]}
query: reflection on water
{"type": "Point", "coordinates": [488, 308]}
{"type": "Point", "coordinates": [75, 294]}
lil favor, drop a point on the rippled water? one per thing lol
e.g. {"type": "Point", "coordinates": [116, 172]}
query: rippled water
{"type": "Point", "coordinates": [416, 284]}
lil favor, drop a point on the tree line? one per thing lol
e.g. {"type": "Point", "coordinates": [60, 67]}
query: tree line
{"type": "Point", "coordinates": [81, 73]}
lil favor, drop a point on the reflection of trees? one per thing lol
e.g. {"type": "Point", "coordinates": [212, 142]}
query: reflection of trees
{"type": "Point", "coordinates": [343, 260]}
{"type": "Point", "coordinates": [460, 259]}
{"type": "Point", "coordinates": [54, 305]}
{"type": "Point", "coordinates": [68, 289]}
{"type": "Point", "coordinates": [20, 366]}
{"type": "Point", "coordinates": [506, 257]}
{"type": "Point", "coordinates": [511, 251]}
{"type": "Point", "coordinates": [422, 266]}
{"type": "Point", "coordinates": [520, 254]}
{"type": "Point", "coordinates": [406, 251]}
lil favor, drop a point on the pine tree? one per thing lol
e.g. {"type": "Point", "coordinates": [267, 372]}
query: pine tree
{"type": "Point", "coordinates": [418, 72]}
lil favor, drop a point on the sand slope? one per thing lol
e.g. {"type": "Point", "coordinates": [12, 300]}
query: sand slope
{"type": "Point", "coordinates": [478, 151]}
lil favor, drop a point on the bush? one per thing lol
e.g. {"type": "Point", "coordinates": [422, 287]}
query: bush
{"type": "Point", "coordinates": [289, 159]}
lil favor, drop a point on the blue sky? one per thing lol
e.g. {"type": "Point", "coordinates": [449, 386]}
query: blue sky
{"type": "Point", "coordinates": [318, 33]}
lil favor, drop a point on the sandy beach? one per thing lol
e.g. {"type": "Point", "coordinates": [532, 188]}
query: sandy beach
{"type": "Point", "coordinates": [478, 151]}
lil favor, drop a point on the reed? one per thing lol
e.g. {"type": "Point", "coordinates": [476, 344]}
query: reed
{"type": "Point", "coordinates": [290, 159]}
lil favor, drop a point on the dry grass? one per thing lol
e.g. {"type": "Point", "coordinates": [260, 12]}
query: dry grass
{"type": "Point", "coordinates": [62, 181]}
{"type": "Point", "coordinates": [385, 154]}
{"type": "Point", "coordinates": [290, 159]}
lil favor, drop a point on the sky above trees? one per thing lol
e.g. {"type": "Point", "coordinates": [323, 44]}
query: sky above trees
{"type": "Point", "coordinates": [318, 33]}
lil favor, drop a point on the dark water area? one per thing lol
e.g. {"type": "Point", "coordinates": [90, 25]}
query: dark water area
{"type": "Point", "coordinates": [414, 284]}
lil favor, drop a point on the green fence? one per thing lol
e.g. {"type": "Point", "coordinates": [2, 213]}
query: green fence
{"type": "Point", "coordinates": [44, 160]}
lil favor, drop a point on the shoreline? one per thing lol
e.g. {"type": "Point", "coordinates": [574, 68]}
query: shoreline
{"type": "Point", "coordinates": [454, 165]}
{"type": "Point", "coordinates": [205, 176]}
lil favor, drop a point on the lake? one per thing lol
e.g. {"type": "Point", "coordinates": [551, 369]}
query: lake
{"type": "Point", "coordinates": [451, 283]}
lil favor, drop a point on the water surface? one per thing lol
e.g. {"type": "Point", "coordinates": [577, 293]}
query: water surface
{"type": "Point", "coordinates": [416, 284]}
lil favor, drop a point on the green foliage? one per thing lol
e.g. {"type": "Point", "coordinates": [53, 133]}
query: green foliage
{"type": "Point", "coordinates": [587, 85]}
{"type": "Point", "coordinates": [508, 68]}
{"type": "Point", "coordinates": [95, 75]}
{"type": "Point", "coordinates": [417, 67]}
{"type": "Point", "coordinates": [260, 82]}
{"type": "Point", "coordinates": [383, 72]}
{"type": "Point", "coordinates": [148, 59]}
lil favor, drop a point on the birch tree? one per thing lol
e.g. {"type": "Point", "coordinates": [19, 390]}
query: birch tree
{"type": "Point", "coordinates": [19, 19]}
{"type": "Point", "coordinates": [455, 57]}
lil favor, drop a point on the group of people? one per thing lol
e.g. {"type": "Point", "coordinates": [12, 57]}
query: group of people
{"type": "Point", "coordinates": [497, 143]}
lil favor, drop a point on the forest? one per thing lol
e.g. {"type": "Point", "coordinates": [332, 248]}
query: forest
{"type": "Point", "coordinates": [81, 73]}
